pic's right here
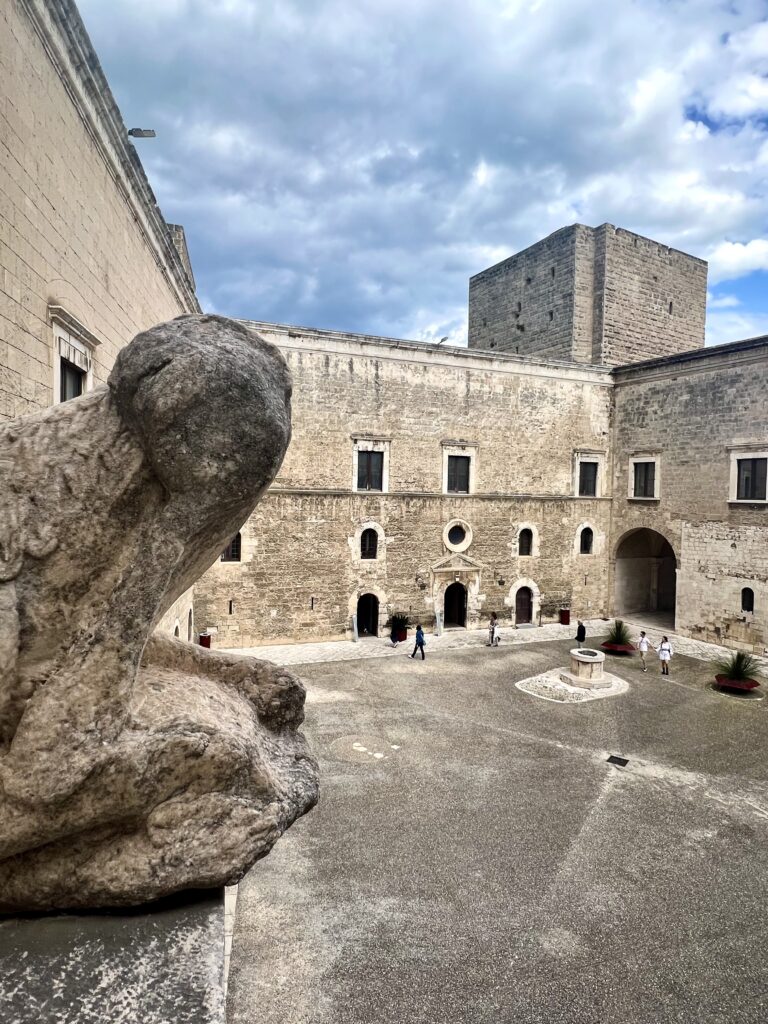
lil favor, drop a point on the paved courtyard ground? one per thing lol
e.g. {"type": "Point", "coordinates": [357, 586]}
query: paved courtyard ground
{"type": "Point", "coordinates": [474, 858]}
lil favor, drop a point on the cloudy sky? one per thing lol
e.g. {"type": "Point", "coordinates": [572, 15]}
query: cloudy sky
{"type": "Point", "coordinates": [350, 163]}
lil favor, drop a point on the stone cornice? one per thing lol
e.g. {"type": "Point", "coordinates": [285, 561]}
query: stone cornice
{"type": "Point", "coordinates": [279, 490]}
{"type": "Point", "coordinates": [63, 35]}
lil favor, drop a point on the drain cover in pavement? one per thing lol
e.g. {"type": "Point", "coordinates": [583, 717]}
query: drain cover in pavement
{"type": "Point", "coordinates": [615, 759]}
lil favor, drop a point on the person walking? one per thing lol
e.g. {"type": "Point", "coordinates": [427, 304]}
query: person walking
{"type": "Point", "coordinates": [420, 641]}
{"type": "Point", "coordinates": [493, 631]}
{"type": "Point", "coordinates": [665, 655]}
{"type": "Point", "coordinates": [581, 632]}
{"type": "Point", "coordinates": [643, 645]}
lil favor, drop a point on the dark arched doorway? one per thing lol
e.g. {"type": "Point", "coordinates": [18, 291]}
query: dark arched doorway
{"type": "Point", "coordinates": [523, 605]}
{"type": "Point", "coordinates": [368, 615]}
{"type": "Point", "coordinates": [645, 577]}
{"type": "Point", "coordinates": [455, 608]}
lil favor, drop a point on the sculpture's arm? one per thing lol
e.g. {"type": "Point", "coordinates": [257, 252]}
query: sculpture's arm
{"type": "Point", "coordinates": [276, 694]}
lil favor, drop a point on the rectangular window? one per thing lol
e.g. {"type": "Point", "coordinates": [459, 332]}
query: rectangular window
{"type": "Point", "coordinates": [72, 380]}
{"type": "Point", "coordinates": [458, 474]}
{"type": "Point", "coordinates": [588, 479]}
{"type": "Point", "coordinates": [370, 471]}
{"type": "Point", "coordinates": [645, 480]}
{"type": "Point", "coordinates": [751, 484]}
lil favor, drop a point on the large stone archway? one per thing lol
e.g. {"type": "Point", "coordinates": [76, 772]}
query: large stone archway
{"type": "Point", "coordinates": [645, 576]}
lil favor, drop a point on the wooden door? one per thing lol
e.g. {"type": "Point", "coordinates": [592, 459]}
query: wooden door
{"type": "Point", "coordinates": [523, 605]}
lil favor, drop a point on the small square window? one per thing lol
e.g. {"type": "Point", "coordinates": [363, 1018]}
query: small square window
{"type": "Point", "coordinates": [751, 482]}
{"type": "Point", "coordinates": [370, 471]}
{"type": "Point", "coordinates": [645, 479]}
{"type": "Point", "coordinates": [72, 381]}
{"type": "Point", "coordinates": [587, 479]}
{"type": "Point", "coordinates": [458, 474]}
{"type": "Point", "coordinates": [749, 473]}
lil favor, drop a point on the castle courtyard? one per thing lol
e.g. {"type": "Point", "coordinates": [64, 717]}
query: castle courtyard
{"type": "Point", "coordinates": [475, 857]}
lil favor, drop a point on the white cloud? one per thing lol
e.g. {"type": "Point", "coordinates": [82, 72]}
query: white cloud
{"type": "Point", "coordinates": [729, 260]}
{"type": "Point", "coordinates": [722, 301]}
{"type": "Point", "coordinates": [723, 327]}
{"type": "Point", "coordinates": [351, 165]}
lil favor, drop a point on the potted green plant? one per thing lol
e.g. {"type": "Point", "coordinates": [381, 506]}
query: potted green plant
{"type": "Point", "coordinates": [400, 626]}
{"type": "Point", "coordinates": [735, 671]}
{"type": "Point", "coordinates": [619, 640]}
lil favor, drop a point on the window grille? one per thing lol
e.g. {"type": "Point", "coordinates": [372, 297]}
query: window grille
{"type": "Point", "coordinates": [231, 552]}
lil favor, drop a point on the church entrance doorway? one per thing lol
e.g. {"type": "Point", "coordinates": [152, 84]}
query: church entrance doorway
{"type": "Point", "coordinates": [368, 615]}
{"type": "Point", "coordinates": [523, 606]}
{"type": "Point", "coordinates": [645, 577]}
{"type": "Point", "coordinates": [455, 608]}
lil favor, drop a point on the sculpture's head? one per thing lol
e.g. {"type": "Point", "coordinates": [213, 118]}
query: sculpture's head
{"type": "Point", "coordinates": [210, 402]}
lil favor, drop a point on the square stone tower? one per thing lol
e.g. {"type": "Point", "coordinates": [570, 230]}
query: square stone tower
{"type": "Point", "coordinates": [591, 295]}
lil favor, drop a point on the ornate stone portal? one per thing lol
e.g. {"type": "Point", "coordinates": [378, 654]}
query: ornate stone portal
{"type": "Point", "coordinates": [132, 765]}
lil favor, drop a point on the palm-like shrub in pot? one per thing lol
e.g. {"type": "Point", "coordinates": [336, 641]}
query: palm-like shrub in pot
{"type": "Point", "coordinates": [736, 671]}
{"type": "Point", "coordinates": [619, 639]}
{"type": "Point", "coordinates": [400, 625]}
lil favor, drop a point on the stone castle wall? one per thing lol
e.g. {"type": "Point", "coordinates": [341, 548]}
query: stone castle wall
{"type": "Point", "coordinates": [601, 295]}
{"type": "Point", "coordinates": [301, 571]}
{"type": "Point", "coordinates": [525, 304]}
{"type": "Point", "coordinates": [695, 413]}
{"type": "Point", "coordinates": [78, 226]}
{"type": "Point", "coordinates": [653, 298]}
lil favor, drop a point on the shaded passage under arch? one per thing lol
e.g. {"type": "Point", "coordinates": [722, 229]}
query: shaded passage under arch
{"type": "Point", "coordinates": [368, 615]}
{"type": "Point", "coordinates": [645, 579]}
{"type": "Point", "coordinates": [455, 608]}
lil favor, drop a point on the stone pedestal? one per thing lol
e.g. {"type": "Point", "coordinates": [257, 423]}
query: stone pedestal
{"type": "Point", "coordinates": [586, 669]}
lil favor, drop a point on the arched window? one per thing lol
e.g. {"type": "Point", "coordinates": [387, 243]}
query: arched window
{"type": "Point", "coordinates": [369, 543]}
{"type": "Point", "coordinates": [176, 632]}
{"type": "Point", "coordinates": [525, 542]}
{"type": "Point", "coordinates": [231, 552]}
{"type": "Point", "coordinates": [747, 599]}
{"type": "Point", "coordinates": [189, 625]}
{"type": "Point", "coordinates": [586, 541]}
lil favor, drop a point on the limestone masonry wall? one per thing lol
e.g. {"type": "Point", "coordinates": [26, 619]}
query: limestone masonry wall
{"type": "Point", "coordinates": [301, 572]}
{"type": "Point", "coordinates": [77, 226]}
{"type": "Point", "coordinates": [654, 298]}
{"type": "Point", "coordinates": [601, 295]}
{"type": "Point", "coordinates": [696, 415]}
{"type": "Point", "coordinates": [525, 303]}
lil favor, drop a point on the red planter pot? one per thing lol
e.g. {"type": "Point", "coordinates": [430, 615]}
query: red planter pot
{"type": "Point", "coordinates": [736, 684]}
{"type": "Point", "coordinates": [618, 648]}
{"type": "Point", "coordinates": [402, 634]}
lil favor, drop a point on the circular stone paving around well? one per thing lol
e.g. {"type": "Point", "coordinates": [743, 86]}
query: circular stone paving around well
{"type": "Point", "coordinates": [549, 686]}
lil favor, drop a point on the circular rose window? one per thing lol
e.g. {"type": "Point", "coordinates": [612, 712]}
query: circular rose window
{"type": "Point", "coordinates": [457, 535]}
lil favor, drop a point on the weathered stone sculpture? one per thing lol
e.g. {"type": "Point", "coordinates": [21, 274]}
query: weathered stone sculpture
{"type": "Point", "coordinates": [134, 765]}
